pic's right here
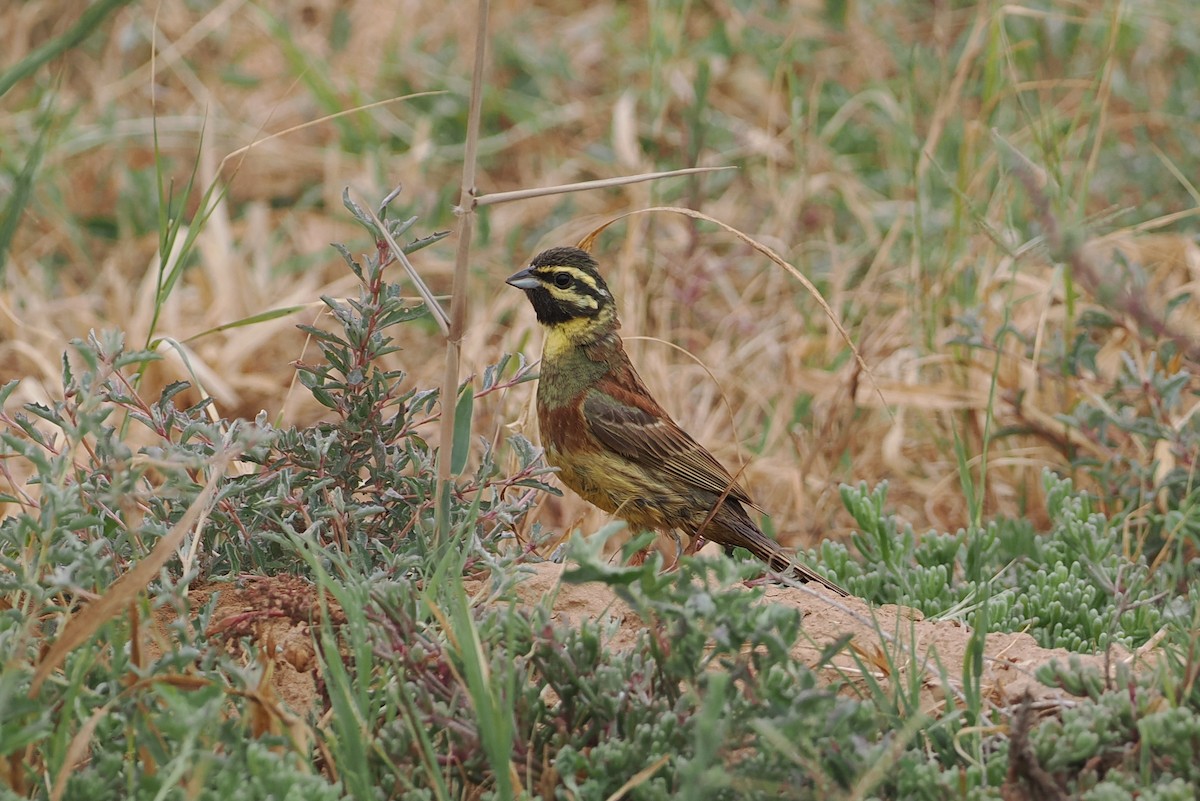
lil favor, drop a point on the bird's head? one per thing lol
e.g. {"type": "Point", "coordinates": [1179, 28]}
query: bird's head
{"type": "Point", "coordinates": [567, 293]}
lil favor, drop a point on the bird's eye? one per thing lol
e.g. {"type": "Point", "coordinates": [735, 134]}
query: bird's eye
{"type": "Point", "coordinates": [562, 280]}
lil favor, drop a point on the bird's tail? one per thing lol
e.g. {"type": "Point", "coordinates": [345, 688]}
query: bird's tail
{"type": "Point", "coordinates": [740, 531]}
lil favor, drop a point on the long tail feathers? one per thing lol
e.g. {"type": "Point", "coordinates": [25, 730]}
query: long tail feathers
{"type": "Point", "coordinates": [777, 558]}
{"type": "Point", "coordinates": [806, 574]}
{"type": "Point", "coordinates": [747, 535]}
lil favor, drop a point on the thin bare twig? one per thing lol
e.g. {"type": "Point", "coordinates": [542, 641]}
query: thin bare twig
{"type": "Point", "coordinates": [458, 288]}
{"type": "Point", "coordinates": [431, 303]}
{"type": "Point", "coordinates": [601, 183]}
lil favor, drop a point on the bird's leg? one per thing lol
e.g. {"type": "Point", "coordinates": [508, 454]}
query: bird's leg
{"type": "Point", "coordinates": [680, 550]}
{"type": "Point", "coordinates": [639, 557]}
{"type": "Point", "coordinates": [694, 546]}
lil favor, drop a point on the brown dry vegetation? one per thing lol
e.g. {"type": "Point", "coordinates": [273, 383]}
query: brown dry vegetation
{"type": "Point", "coordinates": [864, 155]}
{"type": "Point", "coordinates": [572, 97]}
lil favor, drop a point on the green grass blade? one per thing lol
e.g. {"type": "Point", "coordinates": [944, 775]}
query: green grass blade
{"type": "Point", "coordinates": [22, 188]}
{"type": "Point", "coordinates": [462, 431]}
{"type": "Point", "coordinates": [88, 22]}
{"type": "Point", "coordinates": [254, 319]}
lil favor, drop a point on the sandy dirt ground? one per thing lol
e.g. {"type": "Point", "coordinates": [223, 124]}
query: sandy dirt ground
{"type": "Point", "coordinates": [893, 643]}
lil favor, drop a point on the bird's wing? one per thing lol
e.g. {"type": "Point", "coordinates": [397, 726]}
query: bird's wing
{"type": "Point", "coordinates": [634, 426]}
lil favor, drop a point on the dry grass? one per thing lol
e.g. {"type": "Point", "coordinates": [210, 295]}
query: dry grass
{"type": "Point", "coordinates": [875, 176]}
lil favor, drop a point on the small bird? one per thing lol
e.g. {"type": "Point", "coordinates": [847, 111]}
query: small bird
{"type": "Point", "coordinates": [611, 441]}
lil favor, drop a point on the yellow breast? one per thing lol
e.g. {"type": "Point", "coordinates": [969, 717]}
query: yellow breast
{"type": "Point", "coordinates": [615, 486]}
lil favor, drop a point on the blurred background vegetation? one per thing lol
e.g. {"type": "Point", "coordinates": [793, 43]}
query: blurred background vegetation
{"type": "Point", "coordinates": [998, 201]}
{"type": "Point", "coordinates": [862, 134]}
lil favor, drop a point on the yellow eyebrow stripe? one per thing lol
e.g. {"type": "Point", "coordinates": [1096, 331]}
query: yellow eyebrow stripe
{"type": "Point", "coordinates": [574, 272]}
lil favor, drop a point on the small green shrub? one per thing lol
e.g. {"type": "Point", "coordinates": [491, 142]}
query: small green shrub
{"type": "Point", "coordinates": [1070, 588]}
{"type": "Point", "coordinates": [353, 495]}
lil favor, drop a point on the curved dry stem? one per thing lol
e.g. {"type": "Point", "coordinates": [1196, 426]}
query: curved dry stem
{"type": "Point", "coordinates": [588, 241]}
{"type": "Point", "coordinates": [326, 118]}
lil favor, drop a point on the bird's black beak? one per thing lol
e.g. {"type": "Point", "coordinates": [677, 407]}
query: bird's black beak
{"type": "Point", "coordinates": [523, 280]}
